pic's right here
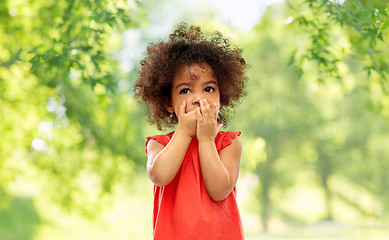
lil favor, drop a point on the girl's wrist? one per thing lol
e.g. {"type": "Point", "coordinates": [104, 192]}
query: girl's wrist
{"type": "Point", "coordinates": [182, 132]}
{"type": "Point", "coordinates": [205, 139]}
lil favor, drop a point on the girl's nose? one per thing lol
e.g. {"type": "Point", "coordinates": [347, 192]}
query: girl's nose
{"type": "Point", "coordinates": [196, 100]}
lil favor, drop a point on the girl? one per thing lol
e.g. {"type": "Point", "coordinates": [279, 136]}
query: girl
{"type": "Point", "coordinates": [194, 80]}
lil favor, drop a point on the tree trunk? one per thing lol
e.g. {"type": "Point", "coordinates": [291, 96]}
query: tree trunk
{"type": "Point", "coordinates": [328, 198]}
{"type": "Point", "coordinates": [265, 209]}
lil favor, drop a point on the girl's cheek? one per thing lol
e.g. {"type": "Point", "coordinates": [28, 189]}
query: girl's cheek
{"type": "Point", "coordinates": [215, 104]}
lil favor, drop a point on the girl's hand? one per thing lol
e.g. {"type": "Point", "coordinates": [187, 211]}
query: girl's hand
{"type": "Point", "coordinates": [207, 127]}
{"type": "Point", "coordinates": [187, 121]}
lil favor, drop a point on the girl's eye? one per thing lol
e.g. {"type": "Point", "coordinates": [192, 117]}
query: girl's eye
{"type": "Point", "coordinates": [185, 91]}
{"type": "Point", "coordinates": [209, 89]}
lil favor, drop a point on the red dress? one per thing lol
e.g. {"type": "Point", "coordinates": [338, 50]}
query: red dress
{"type": "Point", "coordinates": [183, 210]}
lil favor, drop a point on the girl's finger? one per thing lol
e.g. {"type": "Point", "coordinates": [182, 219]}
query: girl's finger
{"type": "Point", "coordinates": [216, 111]}
{"type": "Point", "coordinates": [207, 106]}
{"type": "Point", "coordinates": [198, 113]}
{"type": "Point", "coordinates": [182, 108]}
{"type": "Point", "coordinates": [207, 113]}
{"type": "Point", "coordinates": [202, 107]}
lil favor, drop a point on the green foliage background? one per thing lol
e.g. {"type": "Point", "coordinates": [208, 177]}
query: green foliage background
{"type": "Point", "coordinates": [314, 121]}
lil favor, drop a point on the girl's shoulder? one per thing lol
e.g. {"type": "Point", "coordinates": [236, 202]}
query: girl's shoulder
{"type": "Point", "coordinates": [162, 139]}
{"type": "Point", "coordinates": [223, 139]}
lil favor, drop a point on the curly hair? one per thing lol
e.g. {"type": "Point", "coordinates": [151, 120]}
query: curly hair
{"type": "Point", "coordinates": [188, 45]}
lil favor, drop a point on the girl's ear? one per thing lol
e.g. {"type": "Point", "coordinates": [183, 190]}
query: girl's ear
{"type": "Point", "coordinates": [169, 107]}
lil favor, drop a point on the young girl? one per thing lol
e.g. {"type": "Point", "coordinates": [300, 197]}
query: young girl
{"type": "Point", "coordinates": [194, 80]}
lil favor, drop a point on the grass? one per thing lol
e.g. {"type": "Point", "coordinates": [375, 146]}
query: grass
{"type": "Point", "coordinates": [29, 217]}
{"type": "Point", "coordinates": [20, 220]}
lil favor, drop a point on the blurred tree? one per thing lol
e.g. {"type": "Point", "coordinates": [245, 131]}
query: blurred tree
{"type": "Point", "coordinates": [64, 118]}
{"type": "Point", "coordinates": [366, 25]}
{"type": "Point", "coordinates": [364, 156]}
{"type": "Point", "coordinates": [11, 226]}
{"type": "Point", "coordinates": [323, 126]}
{"type": "Point", "coordinates": [342, 38]}
{"type": "Point", "coordinates": [278, 109]}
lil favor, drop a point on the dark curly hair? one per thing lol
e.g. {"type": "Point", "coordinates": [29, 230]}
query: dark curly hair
{"type": "Point", "coordinates": [185, 46]}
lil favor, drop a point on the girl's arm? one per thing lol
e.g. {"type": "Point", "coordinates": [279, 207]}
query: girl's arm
{"type": "Point", "coordinates": [163, 163]}
{"type": "Point", "coordinates": [220, 170]}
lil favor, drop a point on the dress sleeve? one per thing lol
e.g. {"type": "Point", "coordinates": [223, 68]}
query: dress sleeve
{"type": "Point", "coordinates": [162, 139]}
{"type": "Point", "coordinates": [225, 139]}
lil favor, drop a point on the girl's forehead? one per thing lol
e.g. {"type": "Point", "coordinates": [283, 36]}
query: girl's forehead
{"type": "Point", "coordinates": [194, 70]}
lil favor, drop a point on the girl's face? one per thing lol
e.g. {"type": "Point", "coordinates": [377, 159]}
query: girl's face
{"type": "Point", "coordinates": [193, 83]}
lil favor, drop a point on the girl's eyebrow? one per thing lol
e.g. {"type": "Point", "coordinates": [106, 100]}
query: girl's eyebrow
{"type": "Point", "coordinates": [185, 84]}
{"type": "Point", "coordinates": [182, 84]}
{"type": "Point", "coordinates": [210, 82]}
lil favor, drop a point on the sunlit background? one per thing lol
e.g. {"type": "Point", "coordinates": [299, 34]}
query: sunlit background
{"type": "Point", "coordinates": [314, 121]}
